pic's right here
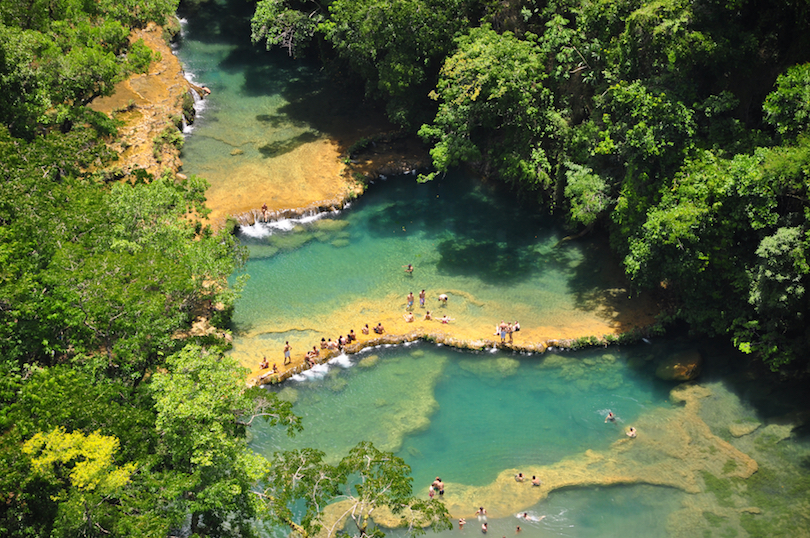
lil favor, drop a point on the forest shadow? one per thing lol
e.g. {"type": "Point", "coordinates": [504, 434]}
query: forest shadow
{"type": "Point", "coordinates": [481, 232]}
{"type": "Point", "coordinates": [280, 147]}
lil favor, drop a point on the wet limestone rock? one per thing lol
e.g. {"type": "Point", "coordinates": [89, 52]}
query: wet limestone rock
{"type": "Point", "coordinates": [683, 366]}
{"type": "Point", "coordinates": [739, 430]}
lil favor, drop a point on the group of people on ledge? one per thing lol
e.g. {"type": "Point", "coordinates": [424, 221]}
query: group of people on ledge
{"type": "Point", "coordinates": [504, 329]}
{"type": "Point", "coordinates": [408, 315]}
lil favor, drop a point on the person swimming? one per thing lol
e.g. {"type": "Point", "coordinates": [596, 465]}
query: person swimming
{"type": "Point", "coordinates": [519, 477]}
{"type": "Point", "coordinates": [535, 481]}
{"type": "Point", "coordinates": [631, 432]}
{"type": "Point", "coordinates": [610, 417]}
{"type": "Point", "coordinates": [408, 268]}
{"type": "Point", "coordinates": [482, 514]}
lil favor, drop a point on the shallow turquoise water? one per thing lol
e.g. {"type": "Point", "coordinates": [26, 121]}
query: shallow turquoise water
{"type": "Point", "coordinates": [462, 416]}
{"type": "Point", "coordinates": [493, 412]}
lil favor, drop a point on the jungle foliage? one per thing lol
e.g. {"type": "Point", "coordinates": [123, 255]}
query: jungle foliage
{"type": "Point", "coordinates": [681, 127]}
{"type": "Point", "coordinates": [116, 417]}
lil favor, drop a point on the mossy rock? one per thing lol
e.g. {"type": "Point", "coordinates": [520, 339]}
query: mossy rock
{"type": "Point", "coordinates": [329, 225]}
{"type": "Point", "coordinates": [340, 243]}
{"type": "Point", "coordinates": [683, 366]}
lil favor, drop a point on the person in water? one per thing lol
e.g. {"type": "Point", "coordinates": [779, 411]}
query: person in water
{"type": "Point", "coordinates": [443, 299]}
{"type": "Point", "coordinates": [408, 268]}
{"type": "Point", "coordinates": [631, 432]}
{"type": "Point", "coordinates": [287, 350]}
{"type": "Point", "coordinates": [481, 513]}
{"type": "Point", "coordinates": [461, 523]}
{"type": "Point", "coordinates": [422, 299]}
{"type": "Point", "coordinates": [447, 319]}
{"type": "Point", "coordinates": [410, 300]}
{"type": "Point", "coordinates": [519, 477]}
{"type": "Point", "coordinates": [408, 317]}
{"type": "Point", "coordinates": [518, 529]}
{"type": "Point", "coordinates": [484, 527]}
{"type": "Point", "coordinates": [535, 481]}
{"type": "Point", "coordinates": [428, 317]}
{"type": "Point", "coordinates": [610, 417]}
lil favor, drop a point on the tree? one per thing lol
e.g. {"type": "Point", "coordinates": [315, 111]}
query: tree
{"type": "Point", "coordinates": [787, 108]}
{"type": "Point", "coordinates": [494, 106]}
{"type": "Point", "coordinates": [365, 480]}
{"type": "Point", "coordinates": [84, 464]}
{"type": "Point", "coordinates": [203, 410]}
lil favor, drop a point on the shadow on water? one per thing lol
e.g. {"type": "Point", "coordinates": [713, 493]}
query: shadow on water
{"type": "Point", "coordinates": [481, 231]}
{"type": "Point", "coordinates": [274, 149]}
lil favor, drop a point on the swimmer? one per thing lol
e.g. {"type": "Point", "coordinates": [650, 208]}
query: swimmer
{"type": "Point", "coordinates": [484, 527]}
{"type": "Point", "coordinates": [428, 317]}
{"type": "Point", "coordinates": [631, 432]}
{"type": "Point", "coordinates": [482, 514]}
{"type": "Point", "coordinates": [408, 268]}
{"type": "Point", "coordinates": [610, 417]}
{"type": "Point", "coordinates": [364, 330]}
{"type": "Point", "coordinates": [439, 485]}
{"type": "Point", "coordinates": [535, 481]}
{"type": "Point", "coordinates": [446, 319]}
{"type": "Point", "coordinates": [461, 523]}
{"type": "Point", "coordinates": [443, 299]}
{"type": "Point", "coordinates": [408, 317]}
{"type": "Point", "coordinates": [519, 477]}
{"type": "Point", "coordinates": [430, 491]}
{"type": "Point", "coordinates": [518, 529]}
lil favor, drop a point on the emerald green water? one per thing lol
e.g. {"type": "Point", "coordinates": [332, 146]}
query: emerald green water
{"type": "Point", "coordinates": [462, 416]}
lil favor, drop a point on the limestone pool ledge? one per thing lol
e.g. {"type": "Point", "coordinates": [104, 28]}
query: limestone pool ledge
{"type": "Point", "coordinates": [267, 377]}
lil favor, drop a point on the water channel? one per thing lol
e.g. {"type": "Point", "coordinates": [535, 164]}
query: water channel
{"type": "Point", "coordinates": [476, 419]}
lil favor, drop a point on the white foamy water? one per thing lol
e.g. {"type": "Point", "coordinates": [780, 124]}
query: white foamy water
{"type": "Point", "coordinates": [257, 230]}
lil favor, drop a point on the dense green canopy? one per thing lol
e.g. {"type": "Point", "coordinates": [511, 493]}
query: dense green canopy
{"type": "Point", "coordinates": [677, 125]}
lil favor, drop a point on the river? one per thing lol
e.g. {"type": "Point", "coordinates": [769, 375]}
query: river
{"type": "Point", "coordinates": [725, 456]}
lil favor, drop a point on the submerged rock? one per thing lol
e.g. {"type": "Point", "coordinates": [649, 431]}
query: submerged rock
{"type": "Point", "coordinates": [738, 430]}
{"type": "Point", "coordinates": [683, 366]}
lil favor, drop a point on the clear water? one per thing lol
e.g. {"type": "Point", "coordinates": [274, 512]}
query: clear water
{"type": "Point", "coordinates": [495, 259]}
{"type": "Point", "coordinates": [466, 417]}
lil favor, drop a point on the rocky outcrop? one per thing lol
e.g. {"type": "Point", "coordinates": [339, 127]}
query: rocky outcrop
{"type": "Point", "coordinates": [683, 366]}
{"type": "Point", "coordinates": [151, 105]}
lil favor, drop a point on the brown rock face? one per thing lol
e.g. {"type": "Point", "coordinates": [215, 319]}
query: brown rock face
{"type": "Point", "coordinates": [149, 104]}
{"type": "Point", "coordinates": [683, 366]}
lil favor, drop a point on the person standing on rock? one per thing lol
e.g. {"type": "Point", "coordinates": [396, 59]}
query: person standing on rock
{"type": "Point", "coordinates": [287, 349]}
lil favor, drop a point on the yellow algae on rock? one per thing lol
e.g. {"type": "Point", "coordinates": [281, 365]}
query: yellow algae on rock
{"type": "Point", "coordinates": [738, 430]}
{"type": "Point", "coordinates": [673, 447]}
{"type": "Point", "coordinates": [368, 362]}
